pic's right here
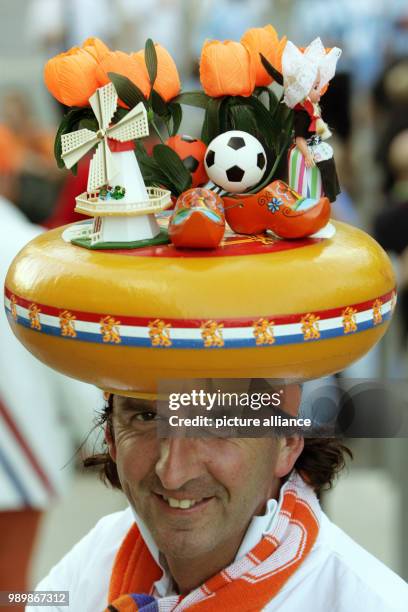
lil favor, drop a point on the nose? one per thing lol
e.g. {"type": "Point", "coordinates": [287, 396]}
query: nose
{"type": "Point", "coordinates": [179, 462]}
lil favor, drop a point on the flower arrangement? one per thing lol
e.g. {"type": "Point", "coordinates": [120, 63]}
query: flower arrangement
{"type": "Point", "coordinates": [149, 76]}
{"type": "Point", "coordinates": [236, 94]}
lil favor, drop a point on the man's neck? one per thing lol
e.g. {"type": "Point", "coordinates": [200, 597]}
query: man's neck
{"type": "Point", "coordinates": [188, 574]}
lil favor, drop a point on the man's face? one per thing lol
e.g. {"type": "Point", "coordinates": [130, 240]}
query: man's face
{"type": "Point", "coordinates": [194, 494]}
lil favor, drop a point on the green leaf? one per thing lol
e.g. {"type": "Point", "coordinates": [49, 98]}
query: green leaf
{"type": "Point", "coordinates": [243, 119]}
{"type": "Point", "coordinates": [151, 60]}
{"type": "Point", "coordinates": [193, 98]}
{"type": "Point", "coordinates": [119, 114]}
{"type": "Point", "coordinates": [289, 121]}
{"type": "Point", "coordinates": [149, 164]}
{"type": "Point", "coordinates": [172, 166]}
{"type": "Point", "coordinates": [272, 98]}
{"type": "Point", "coordinates": [57, 144]}
{"type": "Point", "coordinates": [275, 74]}
{"type": "Point", "coordinates": [267, 126]}
{"type": "Point", "coordinates": [142, 155]}
{"type": "Point", "coordinates": [151, 171]}
{"type": "Point", "coordinates": [88, 124]}
{"type": "Point", "coordinates": [176, 115]}
{"type": "Point", "coordinates": [127, 91]}
{"type": "Point", "coordinates": [226, 123]}
{"type": "Point", "coordinates": [70, 122]}
{"type": "Point", "coordinates": [211, 125]}
{"type": "Point", "coordinates": [205, 130]}
{"type": "Point", "coordinates": [158, 104]}
{"type": "Point", "coordinates": [284, 118]}
{"type": "Point", "coordinates": [271, 176]}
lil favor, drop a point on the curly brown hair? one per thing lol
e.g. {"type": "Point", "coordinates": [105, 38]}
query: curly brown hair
{"type": "Point", "coordinates": [321, 460]}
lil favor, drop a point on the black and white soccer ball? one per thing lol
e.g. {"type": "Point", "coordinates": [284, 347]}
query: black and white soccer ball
{"type": "Point", "coordinates": [235, 161]}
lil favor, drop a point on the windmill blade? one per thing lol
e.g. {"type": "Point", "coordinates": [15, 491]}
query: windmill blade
{"type": "Point", "coordinates": [133, 125]}
{"type": "Point", "coordinates": [76, 144]}
{"type": "Point", "coordinates": [102, 169]}
{"type": "Point", "coordinates": [104, 102]}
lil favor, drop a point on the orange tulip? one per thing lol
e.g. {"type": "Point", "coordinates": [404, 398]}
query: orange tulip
{"type": "Point", "coordinates": [127, 65]}
{"type": "Point", "coordinates": [167, 82]}
{"type": "Point", "coordinates": [95, 47]}
{"type": "Point", "coordinates": [71, 77]}
{"type": "Point", "coordinates": [264, 40]}
{"type": "Point", "coordinates": [227, 69]}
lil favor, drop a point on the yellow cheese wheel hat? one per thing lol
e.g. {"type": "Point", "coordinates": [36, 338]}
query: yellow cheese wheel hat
{"type": "Point", "coordinates": [124, 318]}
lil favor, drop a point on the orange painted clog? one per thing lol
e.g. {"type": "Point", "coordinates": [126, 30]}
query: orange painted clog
{"type": "Point", "coordinates": [198, 220]}
{"type": "Point", "coordinates": [278, 208]}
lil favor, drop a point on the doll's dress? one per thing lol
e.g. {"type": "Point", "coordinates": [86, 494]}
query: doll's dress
{"type": "Point", "coordinates": [321, 179]}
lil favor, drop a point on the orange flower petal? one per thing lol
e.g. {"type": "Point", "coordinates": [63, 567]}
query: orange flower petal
{"type": "Point", "coordinates": [279, 49]}
{"type": "Point", "coordinates": [167, 82]}
{"type": "Point", "coordinates": [95, 47]}
{"type": "Point", "coordinates": [264, 40]}
{"type": "Point", "coordinates": [261, 40]}
{"type": "Point", "coordinates": [125, 64]}
{"type": "Point", "coordinates": [71, 77]}
{"type": "Point", "coordinates": [325, 88]}
{"type": "Point", "coordinates": [227, 69]}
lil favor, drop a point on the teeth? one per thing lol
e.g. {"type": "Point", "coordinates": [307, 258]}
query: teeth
{"type": "Point", "coordinates": [184, 504]}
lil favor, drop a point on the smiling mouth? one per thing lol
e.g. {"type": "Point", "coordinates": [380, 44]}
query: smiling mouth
{"type": "Point", "coordinates": [182, 504]}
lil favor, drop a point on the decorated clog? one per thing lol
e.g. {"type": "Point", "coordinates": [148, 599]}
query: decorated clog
{"type": "Point", "coordinates": [198, 220]}
{"type": "Point", "coordinates": [277, 208]}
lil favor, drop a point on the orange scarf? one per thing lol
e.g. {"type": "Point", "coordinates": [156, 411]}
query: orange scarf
{"type": "Point", "coordinates": [248, 584]}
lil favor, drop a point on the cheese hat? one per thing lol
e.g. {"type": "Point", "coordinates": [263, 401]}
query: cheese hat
{"type": "Point", "coordinates": [252, 308]}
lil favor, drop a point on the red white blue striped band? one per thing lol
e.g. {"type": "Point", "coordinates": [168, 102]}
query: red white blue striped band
{"type": "Point", "coordinates": [162, 332]}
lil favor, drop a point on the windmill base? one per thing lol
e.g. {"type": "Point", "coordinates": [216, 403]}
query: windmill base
{"type": "Point", "coordinates": [161, 238]}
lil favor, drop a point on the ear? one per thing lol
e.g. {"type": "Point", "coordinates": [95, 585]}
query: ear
{"type": "Point", "coordinates": [289, 451]}
{"type": "Point", "coordinates": [110, 441]}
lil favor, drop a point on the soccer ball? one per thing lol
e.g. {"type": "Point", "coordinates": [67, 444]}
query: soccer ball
{"type": "Point", "coordinates": [191, 151]}
{"type": "Point", "coordinates": [235, 161]}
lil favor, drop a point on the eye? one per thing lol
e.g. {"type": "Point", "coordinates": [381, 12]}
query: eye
{"type": "Point", "coordinates": [147, 415]}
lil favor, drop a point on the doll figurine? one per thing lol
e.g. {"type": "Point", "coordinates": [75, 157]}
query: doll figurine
{"type": "Point", "coordinates": [312, 171]}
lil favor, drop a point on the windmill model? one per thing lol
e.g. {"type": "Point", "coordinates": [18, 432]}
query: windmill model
{"type": "Point", "coordinates": [122, 206]}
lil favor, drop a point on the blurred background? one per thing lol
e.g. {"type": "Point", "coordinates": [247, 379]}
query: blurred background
{"type": "Point", "coordinates": [45, 497]}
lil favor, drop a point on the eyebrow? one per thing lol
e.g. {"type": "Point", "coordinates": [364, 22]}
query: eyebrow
{"type": "Point", "coordinates": [130, 405]}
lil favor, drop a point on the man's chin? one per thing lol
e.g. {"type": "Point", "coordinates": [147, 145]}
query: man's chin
{"type": "Point", "coordinates": [184, 544]}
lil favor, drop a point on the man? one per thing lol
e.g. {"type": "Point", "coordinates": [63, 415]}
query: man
{"type": "Point", "coordinates": [219, 524]}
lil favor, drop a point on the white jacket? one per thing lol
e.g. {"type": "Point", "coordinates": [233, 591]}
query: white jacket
{"type": "Point", "coordinates": [337, 576]}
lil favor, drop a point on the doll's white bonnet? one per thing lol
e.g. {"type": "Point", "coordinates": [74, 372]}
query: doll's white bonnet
{"type": "Point", "coordinates": [300, 70]}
